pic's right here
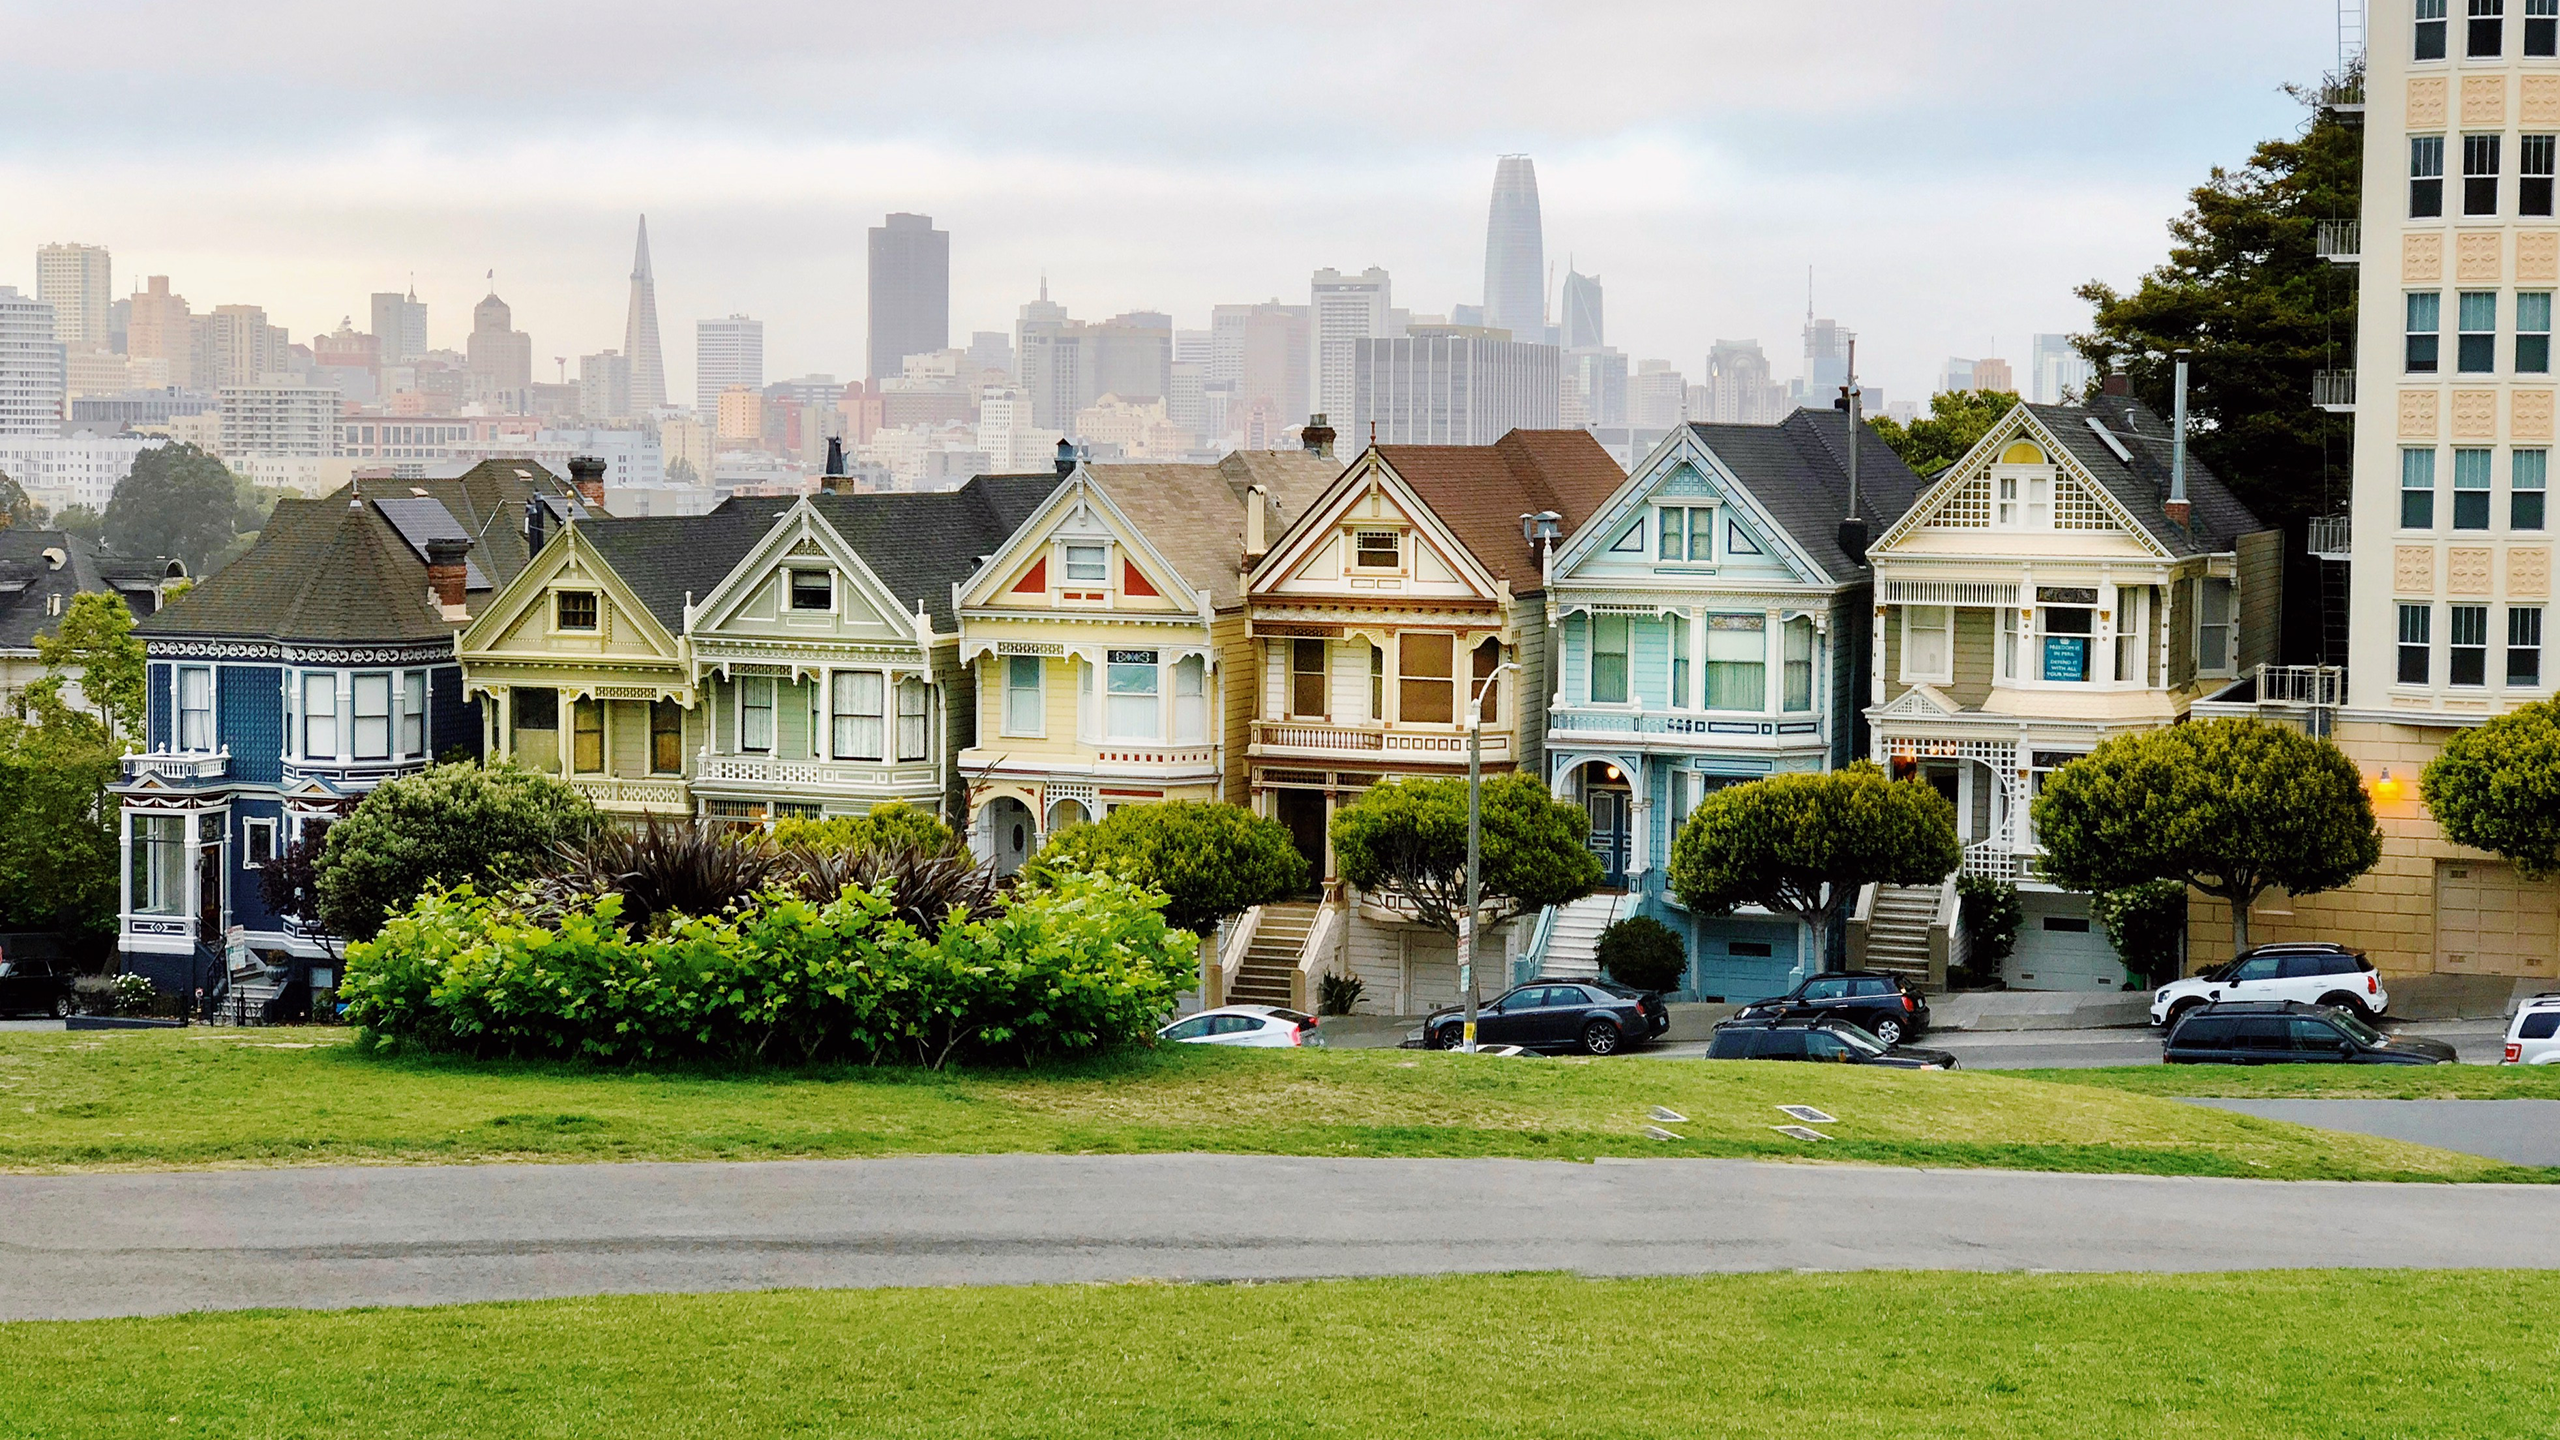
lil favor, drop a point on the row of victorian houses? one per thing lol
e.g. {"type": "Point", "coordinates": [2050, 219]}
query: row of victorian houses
{"type": "Point", "coordinates": [1279, 630]}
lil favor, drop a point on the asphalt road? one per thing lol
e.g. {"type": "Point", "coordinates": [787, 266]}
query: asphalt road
{"type": "Point", "coordinates": [2524, 1132]}
{"type": "Point", "coordinates": [126, 1244]}
{"type": "Point", "coordinates": [2478, 1042]}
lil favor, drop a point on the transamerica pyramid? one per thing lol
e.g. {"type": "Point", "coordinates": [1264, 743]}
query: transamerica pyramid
{"type": "Point", "coordinates": [640, 333]}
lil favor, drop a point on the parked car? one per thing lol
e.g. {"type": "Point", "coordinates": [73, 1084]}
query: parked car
{"type": "Point", "coordinates": [1592, 1016]}
{"type": "Point", "coordinates": [1817, 1038]}
{"type": "Point", "coordinates": [1261, 1026]}
{"type": "Point", "coordinates": [2533, 1037]}
{"type": "Point", "coordinates": [2315, 971]}
{"type": "Point", "coordinates": [2289, 1032]}
{"type": "Point", "coordinates": [1877, 1004]}
{"type": "Point", "coordinates": [32, 984]}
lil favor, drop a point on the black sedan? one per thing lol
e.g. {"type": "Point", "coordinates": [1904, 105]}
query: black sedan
{"type": "Point", "coordinates": [33, 986]}
{"type": "Point", "coordinates": [1835, 1041]}
{"type": "Point", "coordinates": [1877, 1004]}
{"type": "Point", "coordinates": [1587, 1015]}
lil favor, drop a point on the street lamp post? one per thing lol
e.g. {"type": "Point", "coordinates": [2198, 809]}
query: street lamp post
{"type": "Point", "coordinates": [1475, 847]}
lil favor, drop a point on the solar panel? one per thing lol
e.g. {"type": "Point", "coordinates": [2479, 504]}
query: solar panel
{"type": "Point", "coordinates": [420, 519]}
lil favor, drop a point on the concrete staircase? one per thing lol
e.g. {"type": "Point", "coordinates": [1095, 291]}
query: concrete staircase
{"type": "Point", "coordinates": [1573, 948]}
{"type": "Point", "coordinates": [1263, 978]}
{"type": "Point", "coordinates": [1898, 932]}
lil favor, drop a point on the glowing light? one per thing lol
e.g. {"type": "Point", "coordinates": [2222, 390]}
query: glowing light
{"type": "Point", "coordinates": [2386, 788]}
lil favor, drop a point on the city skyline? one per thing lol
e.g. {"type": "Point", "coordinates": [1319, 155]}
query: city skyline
{"type": "Point", "coordinates": [1703, 227]}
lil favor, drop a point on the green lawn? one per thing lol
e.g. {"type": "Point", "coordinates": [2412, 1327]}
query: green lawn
{"type": "Point", "coordinates": [2298, 1353]}
{"type": "Point", "coordinates": [2373, 1082]}
{"type": "Point", "coordinates": [263, 1097]}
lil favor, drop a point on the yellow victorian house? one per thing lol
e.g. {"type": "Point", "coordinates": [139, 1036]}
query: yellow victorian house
{"type": "Point", "coordinates": [1101, 637]}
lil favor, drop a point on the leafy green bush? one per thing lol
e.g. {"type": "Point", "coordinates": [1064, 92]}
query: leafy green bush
{"type": "Point", "coordinates": [894, 825]}
{"type": "Point", "coordinates": [2497, 788]}
{"type": "Point", "coordinates": [1338, 994]}
{"type": "Point", "coordinates": [1212, 861]}
{"type": "Point", "coordinates": [1991, 913]}
{"type": "Point", "coordinates": [1083, 963]}
{"type": "Point", "coordinates": [1643, 953]}
{"type": "Point", "coordinates": [2147, 924]}
{"type": "Point", "coordinates": [451, 825]}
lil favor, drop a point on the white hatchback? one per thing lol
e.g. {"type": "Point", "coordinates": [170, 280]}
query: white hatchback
{"type": "Point", "coordinates": [2314, 972]}
{"type": "Point", "coordinates": [1267, 1026]}
{"type": "Point", "coordinates": [2533, 1037]}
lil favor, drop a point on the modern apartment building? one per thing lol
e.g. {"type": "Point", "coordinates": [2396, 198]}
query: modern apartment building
{"type": "Point", "coordinates": [910, 292]}
{"type": "Point", "coordinates": [159, 341]}
{"type": "Point", "coordinates": [1450, 385]}
{"type": "Point", "coordinates": [2449, 538]}
{"type": "Point", "coordinates": [234, 345]}
{"type": "Point", "coordinates": [78, 281]}
{"type": "Point", "coordinates": [725, 353]}
{"type": "Point", "coordinates": [30, 366]}
{"type": "Point", "coordinates": [1344, 310]}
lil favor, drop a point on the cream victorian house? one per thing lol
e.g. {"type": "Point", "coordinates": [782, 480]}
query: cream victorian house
{"type": "Point", "coordinates": [2045, 593]}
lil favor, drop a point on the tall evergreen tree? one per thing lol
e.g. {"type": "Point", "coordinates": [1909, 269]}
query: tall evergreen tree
{"type": "Point", "coordinates": [177, 501]}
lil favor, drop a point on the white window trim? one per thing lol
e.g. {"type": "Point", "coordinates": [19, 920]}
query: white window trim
{"type": "Point", "coordinates": [739, 707]}
{"type": "Point", "coordinates": [1066, 581]}
{"type": "Point", "coordinates": [1039, 693]}
{"type": "Point", "coordinates": [1351, 555]}
{"type": "Point", "coordinates": [212, 710]}
{"type": "Point", "coordinates": [790, 582]}
{"type": "Point", "coordinates": [886, 716]}
{"type": "Point", "coordinates": [1715, 542]}
{"type": "Point", "coordinates": [559, 629]}
{"type": "Point", "coordinates": [1911, 676]}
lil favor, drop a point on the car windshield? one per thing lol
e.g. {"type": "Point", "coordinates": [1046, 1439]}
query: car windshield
{"type": "Point", "coordinates": [1857, 1038]}
{"type": "Point", "coordinates": [2356, 1027]}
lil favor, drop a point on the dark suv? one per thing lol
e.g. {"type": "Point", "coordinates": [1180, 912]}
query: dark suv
{"type": "Point", "coordinates": [31, 984]}
{"type": "Point", "coordinates": [1877, 1004]}
{"type": "Point", "coordinates": [2289, 1032]}
{"type": "Point", "coordinates": [1836, 1041]}
{"type": "Point", "coordinates": [1591, 1015]}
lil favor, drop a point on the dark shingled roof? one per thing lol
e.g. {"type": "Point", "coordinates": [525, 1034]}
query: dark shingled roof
{"type": "Point", "coordinates": [1798, 469]}
{"type": "Point", "coordinates": [666, 559]}
{"type": "Point", "coordinates": [29, 577]}
{"type": "Point", "coordinates": [2141, 484]}
{"type": "Point", "coordinates": [1480, 491]}
{"type": "Point", "coordinates": [334, 570]}
{"type": "Point", "coordinates": [918, 542]}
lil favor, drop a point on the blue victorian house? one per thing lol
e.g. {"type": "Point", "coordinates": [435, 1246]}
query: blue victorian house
{"type": "Point", "coordinates": [1709, 630]}
{"type": "Point", "coordinates": [281, 689]}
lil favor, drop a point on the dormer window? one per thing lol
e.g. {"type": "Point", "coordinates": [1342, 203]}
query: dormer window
{"type": "Point", "coordinates": [1377, 550]}
{"type": "Point", "coordinates": [1087, 565]}
{"type": "Point", "coordinates": [195, 708]}
{"type": "Point", "coordinates": [1687, 533]}
{"type": "Point", "coordinates": [813, 590]}
{"type": "Point", "coordinates": [577, 610]}
{"type": "Point", "coordinates": [2022, 489]}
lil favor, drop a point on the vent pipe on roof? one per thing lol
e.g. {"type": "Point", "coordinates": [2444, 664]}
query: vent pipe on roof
{"type": "Point", "coordinates": [2179, 509]}
{"type": "Point", "coordinates": [536, 524]}
{"type": "Point", "coordinates": [1853, 526]}
{"type": "Point", "coordinates": [835, 465]}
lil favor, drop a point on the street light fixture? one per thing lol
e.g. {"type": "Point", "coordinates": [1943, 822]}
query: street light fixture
{"type": "Point", "coordinates": [1475, 846]}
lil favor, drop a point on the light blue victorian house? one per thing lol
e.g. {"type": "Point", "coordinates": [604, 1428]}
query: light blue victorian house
{"type": "Point", "coordinates": [1709, 630]}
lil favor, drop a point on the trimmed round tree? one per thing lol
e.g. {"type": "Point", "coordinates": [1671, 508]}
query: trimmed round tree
{"type": "Point", "coordinates": [443, 826]}
{"type": "Point", "coordinates": [1804, 845]}
{"type": "Point", "coordinates": [892, 825]}
{"type": "Point", "coordinates": [1212, 861]}
{"type": "Point", "coordinates": [2497, 788]}
{"type": "Point", "coordinates": [2229, 807]}
{"type": "Point", "coordinates": [1407, 841]}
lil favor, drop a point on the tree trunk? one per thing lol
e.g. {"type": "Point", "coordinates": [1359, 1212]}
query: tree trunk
{"type": "Point", "coordinates": [1819, 922]}
{"type": "Point", "coordinates": [2240, 922]}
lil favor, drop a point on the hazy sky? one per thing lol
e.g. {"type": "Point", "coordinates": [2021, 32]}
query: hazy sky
{"type": "Point", "coordinates": [1950, 170]}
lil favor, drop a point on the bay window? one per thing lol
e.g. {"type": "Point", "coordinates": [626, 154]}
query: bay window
{"type": "Point", "coordinates": [858, 720]}
{"type": "Point", "coordinates": [1928, 643]}
{"type": "Point", "coordinates": [1134, 710]}
{"type": "Point", "coordinates": [1190, 700]}
{"type": "Point", "coordinates": [1681, 644]}
{"type": "Point", "coordinates": [1426, 679]}
{"type": "Point", "coordinates": [1608, 659]}
{"type": "Point", "coordinates": [413, 715]}
{"type": "Point", "coordinates": [1737, 662]}
{"type": "Point", "coordinates": [2066, 621]}
{"type": "Point", "coordinates": [373, 716]}
{"type": "Point", "coordinates": [320, 717]}
{"type": "Point", "coordinates": [1482, 690]}
{"type": "Point", "coordinates": [666, 738]}
{"type": "Point", "coordinates": [1023, 707]}
{"type": "Point", "coordinates": [159, 874]}
{"type": "Point", "coordinates": [195, 708]}
{"type": "Point", "coordinates": [586, 723]}
{"type": "Point", "coordinates": [912, 721]}
{"type": "Point", "coordinates": [755, 712]}
{"type": "Point", "coordinates": [1377, 682]}
{"type": "Point", "coordinates": [1306, 678]}
{"type": "Point", "coordinates": [1797, 639]}
{"type": "Point", "coordinates": [2213, 627]}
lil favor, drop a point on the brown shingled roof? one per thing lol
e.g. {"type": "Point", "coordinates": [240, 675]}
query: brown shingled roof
{"type": "Point", "coordinates": [1480, 491]}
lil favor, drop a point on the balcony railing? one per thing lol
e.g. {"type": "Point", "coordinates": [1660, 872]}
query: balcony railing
{"type": "Point", "coordinates": [847, 776]}
{"type": "Point", "coordinates": [1630, 722]}
{"type": "Point", "coordinates": [2330, 537]}
{"type": "Point", "coordinates": [2334, 389]}
{"type": "Point", "coordinates": [612, 792]}
{"type": "Point", "coordinates": [1999, 860]}
{"type": "Point", "coordinates": [2302, 685]}
{"type": "Point", "coordinates": [189, 766]}
{"type": "Point", "coordinates": [1317, 738]}
{"type": "Point", "coordinates": [2341, 241]}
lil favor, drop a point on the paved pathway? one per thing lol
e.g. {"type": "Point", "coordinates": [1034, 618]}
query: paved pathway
{"type": "Point", "coordinates": [85, 1245]}
{"type": "Point", "coordinates": [2524, 1132]}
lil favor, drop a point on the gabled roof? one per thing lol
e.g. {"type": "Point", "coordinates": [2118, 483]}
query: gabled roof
{"type": "Point", "coordinates": [1194, 515]}
{"type": "Point", "coordinates": [1480, 491]}
{"type": "Point", "coordinates": [29, 577]}
{"type": "Point", "coordinates": [918, 543]}
{"type": "Point", "coordinates": [664, 559]}
{"type": "Point", "coordinates": [1294, 479]}
{"type": "Point", "coordinates": [1798, 471]}
{"type": "Point", "coordinates": [2141, 483]}
{"type": "Point", "coordinates": [336, 570]}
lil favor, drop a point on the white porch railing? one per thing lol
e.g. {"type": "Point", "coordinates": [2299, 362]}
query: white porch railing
{"type": "Point", "coordinates": [186, 766]}
{"type": "Point", "coordinates": [2334, 389]}
{"type": "Point", "coordinates": [1315, 958]}
{"type": "Point", "coordinates": [665, 796]}
{"type": "Point", "coordinates": [2338, 240]}
{"type": "Point", "coordinates": [1271, 736]}
{"type": "Point", "coordinates": [2312, 685]}
{"type": "Point", "coordinates": [1995, 860]}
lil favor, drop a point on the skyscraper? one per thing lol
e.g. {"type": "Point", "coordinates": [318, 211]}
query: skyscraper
{"type": "Point", "coordinates": [1582, 327]}
{"type": "Point", "coordinates": [725, 353]}
{"type": "Point", "coordinates": [78, 281]}
{"type": "Point", "coordinates": [159, 342]}
{"type": "Point", "coordinates": [500, 356]}
{"type": "Point", "coordinates": [1739, 388]}
{"type": "Point", "coordinates": [399, 325]}
{"type": "Point", "coordinates": [2058, 372]}
{"type": "Point", "coordinates": [30, 366]}
{"type": "Point", "coordinates": [1450, 385]}
{"type": "Point", "coordinates": [910, 292]}
{"type": "Point", "coordinates": [1826, 360]}
{"type": "Point", "coordinates": [640, 332]}
{"type": "Point", "coordinates": [1515, 254]}
{"type": "Point", "coordinates": [1343, 310]}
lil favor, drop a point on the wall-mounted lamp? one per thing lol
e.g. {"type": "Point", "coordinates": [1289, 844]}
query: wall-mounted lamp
{"type": "Point", "coordinates": [2386, 788]}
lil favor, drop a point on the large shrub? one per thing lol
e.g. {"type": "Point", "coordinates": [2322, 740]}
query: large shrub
{"type": "Point", "coordinates": [2497, 788]}
{"type": "Point", "coordinates": [451, 825]}
{"type": "Point", "coordinates": [2147, 924]}
{"type": "Point", "coordinates": [1644, 954]}
{"type": "Point", "coordinates": [1084, 963]}
{"type": "Point", "coordinates": [1211, 861]}
{"type": "Point", "coordinates": [891, 825]}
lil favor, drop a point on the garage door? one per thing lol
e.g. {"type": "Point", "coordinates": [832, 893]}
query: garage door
{"type": "Point", "coordinates": [2492, 921]}
{"type": "Point", "coordinates": [1431, 972]}
{"type": "Point", "coordinates": [2061, 948]}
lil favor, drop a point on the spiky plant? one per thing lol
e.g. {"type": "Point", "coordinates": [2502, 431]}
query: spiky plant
{"type": "Point", "coordinates": [927, 885]}
{"type": "Point", "coordinates": [663, 867]}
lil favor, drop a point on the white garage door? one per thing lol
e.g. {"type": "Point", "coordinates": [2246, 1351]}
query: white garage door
{"type": "Point", "coordinates": [2492, 921]}
{"type": "Point", "coordinates": [2061, 948]}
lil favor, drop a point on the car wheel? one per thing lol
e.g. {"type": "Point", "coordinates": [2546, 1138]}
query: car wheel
{"type": "Point", "coordinates": [2343, 1000]}
{"type": "Point", "coordinates": [2179, 1011]}
{"type": "Point", "coordinates": [1449, 1037]}
{"type": "Point", "coordinates": [1888, 1030]}
{"type": "Point", "coordinates": [62, 1007]}
{"type": "Point", "coordinates": [1599, 1038]}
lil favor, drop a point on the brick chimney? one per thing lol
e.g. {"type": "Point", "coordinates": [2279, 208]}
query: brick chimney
{"type": "Point", "coordinates": [447, 566]}
{"type": "Point", "coordinates": [1317, 437]}
{"type": "Point", "coordinates": [587, 473]}
{"type": "Point", "coordinates": [2116, 383]}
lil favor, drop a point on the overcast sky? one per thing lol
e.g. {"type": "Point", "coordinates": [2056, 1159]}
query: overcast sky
{"type": "Point", "coordinates": [1949, 170]}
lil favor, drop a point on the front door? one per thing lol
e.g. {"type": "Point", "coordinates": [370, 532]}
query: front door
{"type": "Point", "coordinates": [1610, 837]}
{"type": "Point", "coordinates": [209, 926]}
{"type": "Point", "coordinates": [1301, 813]}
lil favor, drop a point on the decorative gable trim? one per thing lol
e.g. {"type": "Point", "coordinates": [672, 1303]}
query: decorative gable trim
{"type": "Point", "coordinates": [1961, 498]}
{"type": "Point", "coordinates": [1920, 702]}
{"type": "Point", "coordinates": [1685, 468]}
{"type": "Point", "coordinates": [800, 532]}
{"type": "Point", "coordinates": [1078, 509]}
{"type": "Point", "coordinates": [1316, 527]}
{"type": "Point", "coordinates": [534, 582]}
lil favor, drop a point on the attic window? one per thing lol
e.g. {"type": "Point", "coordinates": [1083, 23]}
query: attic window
{"type": "Point", "coordinates": [813, 590]}
{"type": "Point", "coordinates": [1086, 565]}
{"type": "Point", "coordinates": [2022, 452]}
{"type": "Point", "coordinates": [577, 610]}
{"type": "Point", "coordinates": [1378, 550]}
{"type": "Point", "coordinates": [1738, 541]}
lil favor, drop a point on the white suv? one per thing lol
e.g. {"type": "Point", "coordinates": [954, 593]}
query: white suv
{"type": "Point", "coordinates": [2315, 972]}
{"type": "Point", "coordinates": [2533, 1038]}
